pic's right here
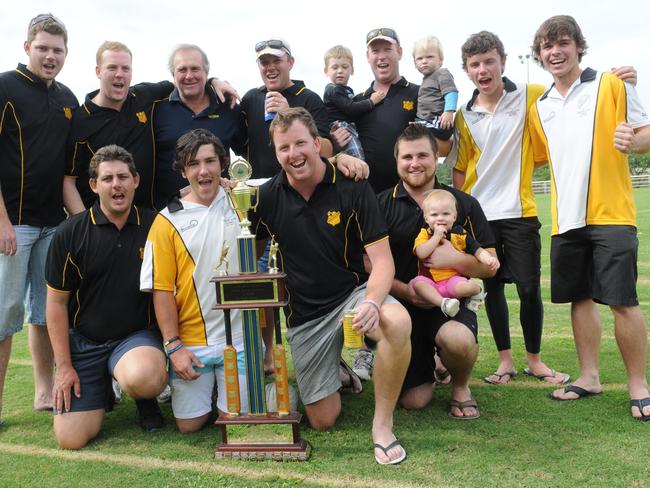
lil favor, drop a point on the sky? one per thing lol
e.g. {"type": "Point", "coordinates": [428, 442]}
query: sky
{"type": "Point", "coordinates": [228, 31]}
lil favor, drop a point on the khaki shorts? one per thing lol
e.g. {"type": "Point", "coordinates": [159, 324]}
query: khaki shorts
{"type": "Point", "coordinates": [316, 350]}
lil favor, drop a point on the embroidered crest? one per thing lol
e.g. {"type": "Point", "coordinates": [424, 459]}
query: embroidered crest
{"type": "Point", "coordinates": [142, 117]}
{"type": "Point", "coordinates": [142, 253]}
{"type": "Point", "coordinates": [334, 218]}
{"type": "Point", "coordinates": [408, 105]}
{"type": "Point", "coordinates": [67, 111]}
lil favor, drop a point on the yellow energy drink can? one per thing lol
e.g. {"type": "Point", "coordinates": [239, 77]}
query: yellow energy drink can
{"type": "Point", "coordinates": [351, 339]}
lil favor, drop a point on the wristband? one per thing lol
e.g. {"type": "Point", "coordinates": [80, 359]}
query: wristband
{"type": "Point", "coordinates": [374, 304]}
{"type": "Point", "coordinates": [171, 339]}
{"type": "Point", "coordinates": [169, 352]}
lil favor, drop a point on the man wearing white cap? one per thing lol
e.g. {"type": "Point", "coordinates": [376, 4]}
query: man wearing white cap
{"type": "Point", "coordinates": [279, 91]}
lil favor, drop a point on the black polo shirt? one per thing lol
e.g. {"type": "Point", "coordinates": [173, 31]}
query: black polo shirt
{"type": "Point", "coordinates": [260, 153]}
{"type": "Point", "coordinates": [94, 127]}
{"type": "Point", "coordinates": [100, 266]}
{"type": "Point", "coordinates": [34, 125]}
{"type": "Point", "coordinates": [321, 240]}
{"type": "Point", "coordinates": [379, 128]}
{"type": "Point", "coordinates": [405, 219]}
{"type": "Point", "coordinates": [171, 119]}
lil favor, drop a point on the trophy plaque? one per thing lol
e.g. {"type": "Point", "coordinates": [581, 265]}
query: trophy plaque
{"type": "Point", "coordinates": [250, 291]}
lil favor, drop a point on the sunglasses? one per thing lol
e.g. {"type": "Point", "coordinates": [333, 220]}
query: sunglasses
{"type": "Point", "coordinates": [272, 43]}
{"type": "Point", "coordinates": [44, 18]}
{"type": "Point", "coordinates": [382, 32]}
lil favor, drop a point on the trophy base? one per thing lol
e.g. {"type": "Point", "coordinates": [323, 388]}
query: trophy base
{"type": "Point", "coordinates": [298, 450]}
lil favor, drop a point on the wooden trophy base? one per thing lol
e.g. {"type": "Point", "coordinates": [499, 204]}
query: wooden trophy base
{"type": "Point", "coordinates": [298, 450]}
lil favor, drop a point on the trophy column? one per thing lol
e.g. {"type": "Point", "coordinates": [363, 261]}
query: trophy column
{"type": "Point", "coordinates": [249, 291]}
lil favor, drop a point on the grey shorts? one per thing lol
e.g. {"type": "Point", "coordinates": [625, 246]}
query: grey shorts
{"type": "Point", "coordinates": [316, 350]}
{"type": "Point", "coordinates": [95, 362]}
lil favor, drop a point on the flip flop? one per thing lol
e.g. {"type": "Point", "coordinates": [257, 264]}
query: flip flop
{"type": "Point", "coordinates": [581, 392]}
{"type": "Point", "coordinates": [542, 377]}
{"type": "Point", "coordinates": [463, 405]}
{"type": "Point", "coordinates": [640, 403]}
{"type": "Point", "coordinates": [512, 375]}
{"type": "Point", "coordinates": [350, 381]}
{"type": "Point", "coordinates": [443, 378]}
{"type": "Point", "coordinates": [395, 443]}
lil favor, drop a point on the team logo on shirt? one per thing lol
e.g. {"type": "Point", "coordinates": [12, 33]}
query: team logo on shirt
{"type": "Point", "coordinates": [142, 117]}
{"type": "Point", "coordinates": [333, 217]}
{"type": "Point", "coordinates": [67, 111]}
{"type": "Point", "coordinates": [142, 253]}
{"type": "Point", "coordinates": [408, 105]}
{"type": "Point", "coordinates": [213, 116]}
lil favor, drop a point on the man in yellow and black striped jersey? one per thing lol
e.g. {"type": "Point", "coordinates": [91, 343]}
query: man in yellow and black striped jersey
{"type": "Point", "coordinates": [493, 162]}
{"type": "Point", "coordinates": [584, 126]}
{"type": "Point", "coordinates": [185, 243]}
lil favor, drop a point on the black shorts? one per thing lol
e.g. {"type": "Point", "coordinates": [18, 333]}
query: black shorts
{"type": "Point", "coordinates": [518, 248]}
{"type": "Point", "coordinates": [595, 262]}
{"type": "Point", "coordinates": [425, 327]}
{"type": "Point", "coordinates": [95, 362]}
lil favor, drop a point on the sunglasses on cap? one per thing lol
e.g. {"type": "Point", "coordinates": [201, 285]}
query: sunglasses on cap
{"type": "Point", "coordinates": [44, 18]}
{"type": "Point", "coordinates": [384, 31]}
{"type": "Point", "coordinates": [273, 44]}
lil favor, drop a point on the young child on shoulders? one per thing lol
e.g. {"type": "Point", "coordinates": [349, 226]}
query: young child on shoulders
{"type": "Point", "coordinates": [438, 95]}
{"type": "Point", "coordinates": [443, 287]}
{"type": "Point", "coordinates": [341, 109]}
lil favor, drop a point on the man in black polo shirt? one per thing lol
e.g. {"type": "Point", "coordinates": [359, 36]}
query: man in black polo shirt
{"type": "Point", "coordinates": [322, 222]}
{"type": "Point", "coordinates": [36, 112]}
{"type": "Point", "coordinates": [117, 113]}
{"type": "Point", "coordinates": [456, 340]}
{"type": "Point", "coordinates": [259, 106]}
{"type": "Point", "coordinates": [99, 322]}
{"type": "Point", "coordinates": [279, 91]}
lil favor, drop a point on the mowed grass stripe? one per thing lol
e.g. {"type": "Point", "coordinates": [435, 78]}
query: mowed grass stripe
{"type": "Point", "coordinates": [251, 470]}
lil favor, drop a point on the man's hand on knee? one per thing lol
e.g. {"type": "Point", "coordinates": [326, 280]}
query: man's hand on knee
{"type": "Point", "coordinates": [66, 379]}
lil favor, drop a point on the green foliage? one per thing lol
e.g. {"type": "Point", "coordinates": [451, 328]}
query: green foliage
{"type": "Point", "coordinates": [639, 163]}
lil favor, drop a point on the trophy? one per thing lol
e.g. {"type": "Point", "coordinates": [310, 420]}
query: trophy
{"type": "Point", "coordinates": [249, 291]}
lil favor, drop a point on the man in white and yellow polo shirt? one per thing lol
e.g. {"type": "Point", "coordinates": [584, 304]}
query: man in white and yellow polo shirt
{"type": "Point", "coordinates": [493, 161]}
{"type": "Point", "coordinates": [184, 245]}
{"type": "Point", "coordinates": [584, 126]}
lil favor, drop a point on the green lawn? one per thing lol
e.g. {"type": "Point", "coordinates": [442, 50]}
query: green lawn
{"type": "Point", "coordinates": [521, 439]}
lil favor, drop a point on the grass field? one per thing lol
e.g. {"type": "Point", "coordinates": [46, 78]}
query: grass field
{"type": "Point", "coordinates": [522, 438]}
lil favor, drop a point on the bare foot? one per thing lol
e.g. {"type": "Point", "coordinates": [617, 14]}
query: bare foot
{"type": "Point", "coordinates": [43, 403]}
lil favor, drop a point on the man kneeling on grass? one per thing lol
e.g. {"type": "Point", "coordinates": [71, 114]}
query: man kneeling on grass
{"type": "Point", "coordinates": [98, 322]}
{"type": "Point", "coordinates": [322, 221]}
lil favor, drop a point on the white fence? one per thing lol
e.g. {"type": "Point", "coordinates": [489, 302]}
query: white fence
{"type": "Point", "coordinates": [639, 181]}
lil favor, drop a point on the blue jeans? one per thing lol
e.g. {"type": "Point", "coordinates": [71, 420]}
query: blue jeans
{"type": "Point", "coordinates": [22, 280]}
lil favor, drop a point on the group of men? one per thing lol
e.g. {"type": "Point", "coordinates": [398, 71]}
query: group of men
{"type": "Point", "coordinates": [143, 143]}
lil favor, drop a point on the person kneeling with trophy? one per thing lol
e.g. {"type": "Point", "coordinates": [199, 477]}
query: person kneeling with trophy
{"type": "Point", "coordinates": [322, 223]}
{"type": "Point", "coordinates": [186, 241]}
